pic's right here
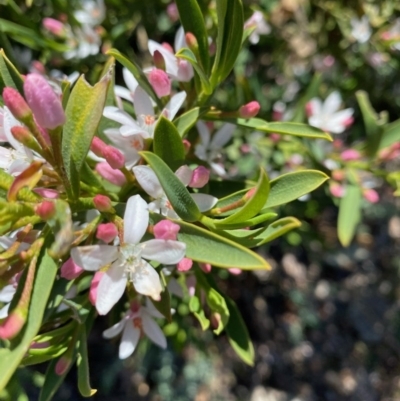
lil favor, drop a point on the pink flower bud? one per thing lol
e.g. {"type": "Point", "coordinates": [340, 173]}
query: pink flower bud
{"type": "Point", "coordinates": [47, 193]}
{"type": "Point", "coordinates": [97, 146]}
{"type": "Point", "coordinates": [249, 110]}
{"type": "Point", "coordinates": [109, 174]}
{"type": "Point", "coordinates": [191, 284]}
{"type": "Point", "coordinates": [70, 270]}
{"type": "Point", "coordinates": [185, 70]}
{"type": "Point", "coordinates": [166, 229]}
{"type": "Point", "coordinates": [114, 157]}
{"type": "Point", "coordinates": [45, 210]}
{"type": "Point", "coordinates": [206, 267]}
{"type": "Point", "coordinates": [350, 154]}
{"type": "Point", "coordinates": [159, 61]}
{"type": "Point", "coordinates": [337, 190]}
{"type": "Point", "coordinates": [43, 101]}
{"type": "Point", "coordinates": [184, 265]}
{"type": "Point", "coordinates": [23, 135]}
{"type": "Point", "coordinates": [38, 67]}
{"type": "Point", "coordinates": [172, 12]}
{"type": "Point", "coordinates": [106, 232]}
{"type": "Point", "coordinates": [200, 177]}
{"type": "Point", "coordinates": [371, 195]}
{"type": "Point", "coordinates": [16, 103]}
{"type": "Point", "coordinates": [215, 320]}
{"type": "Point", "coordinates": [53, 26]}
{"type": "Point", "coordinates": [338, 175]}
{"type": "Point", "coordinates": [186, 145]}
{"type": "Point", "coordinates": [191, 42]}
{"type": "Point", "coordinates": [11, 326]}
{"type": "Point", "coordinates": [102, 203]}
{"type": "Point", "coordinates": [160, 82]}
{"type": "Point", "coordinates": [309, 109]}
{"type": "Point", "coordinates": [235, 271]}
{"type": "Point", "coordinates": [93, 287]}
{"type": "Point", "coordinates": [62, 365]}
{"type": "Point", "coordinates": [168, 47]}
{"type": "Point", "coordinates": [275, 137]}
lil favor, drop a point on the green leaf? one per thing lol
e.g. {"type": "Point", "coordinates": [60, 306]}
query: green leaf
{"type": "Point", "coordinates": [197, 310]}
{"type": "Point", "coordinates": [176, 192]}
{"type": "Point", "coordinates": [83, 115]}
{"type": "Point", "coordinates": [349, 214]}
{"type": "Point", "coordinates": [11, 357]}
{"type": "Point", "coordinates": [252, 206]}
{"type": "Point", "coordinates": [229, 38]}
{"type": "Point", "coordinates": [238, 335]}
{"type": "Point", "coordinates": [390, 135]}
{"type": "Point", "coordinates": [138, 73]}
{"type": "Point", "coordinates": [187, 120]}
{"type": "Point", "coordinates": [207, 247]}
{"type": "Point", "coordinates": [83, 366]}
{"type": "Point", "coordinates": [192, 20]}
{"type": "Point", "coordinates": [9, 74]}
{"type": "Point", "coordinates": [246, 223]}
{"type": "Point", "coordinates": [167, 144]}
{"type": "Point", "coordinates": [282, 128]}
{"type": "Point", "coordinates": [291, 186]}
{"type": "Point", "coordinates": [187, 54]}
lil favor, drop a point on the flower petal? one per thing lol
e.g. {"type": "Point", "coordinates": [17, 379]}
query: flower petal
{"type": "Point", "coordinates": [111, 288]}
{"type": "Point", "coordinates": [222, 136]}
{"type": "Point", "coordinates": [7, 293]}
{"type": "Point", "coordinates": [164, 251]}
{"type": "Point", "coordinates": [332, 103]}
{"type": "Point", "coordinates": [118, 115]}
{"type": "Point", "coordinates": [136, 219]}
{"type": "Point", "coordinates": [153, 330]}
{"type": "Point", "coordinates": [147, 281]}
{"type": "Point", "coordinates": [148, 180]}
{"type": "Point", "coordinates": [171, 63]}
{"type": "Point", "coordinates": [204, 202]}
{"type": "Point", "coordinates": [113, 331]}
{"type": "Point", "coordinates": [173, 106]}
{"type": "Point", "coordinates": [184, 173]}
{"type": "Point", "coordinates": [130, 80]}
{"type": "Point", "coordinates": [4, 311]}
{"type": "Point", "coordinates": [129, 340]}
{"type": "Point", "coordinates": [123, 93]}
{"type": "Point", "coordinates": [142, 103]}
{"type": "Point", "coordinates": [94, 257]}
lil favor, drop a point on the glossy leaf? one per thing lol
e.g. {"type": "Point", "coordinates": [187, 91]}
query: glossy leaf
{"type": "Point", "coordinates": [176, 192]}
{"type": "Point", "coordinates": [83, 366]}
{"type": "Point", "coordinates": [9, 74]}
{"type": "Point", "coordinates": [83, 115]}
{"type": "Point", "coordinates": [246, 223]}
{"type": "Point", "coordinates": [187, 120]}
{"type": "Point", "coordinates": [349, 214]}
{"type": "Point", "coordinates": [197, 310]}
{"type": "Point", "coordinates": [138, 73]}
{"type": "Point", "coordinates": [167, 144]}
{"type": "Point", "coordinates": [11, 357]}
{"type": "Point", "coordinates": [192, 21]}
{"type": "Point", "coordinates": [291, 186]}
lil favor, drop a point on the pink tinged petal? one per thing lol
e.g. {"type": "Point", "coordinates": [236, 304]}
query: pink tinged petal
{"type": "Point", "coordinates": [94, 257]}
{"type": "Point", "coordinates": [166, 229]}
{"type": "Point", "coordinates": [113, 331]}
{"type": "Point", "coordinates": [222, 136]}
{"type": "Point", "coordinates": [371, 196]}
{"type": "Point", "coordinates": [118, 115]}
{"type": "Point", "coordinates": [339, 121]}
{"type": "Point", "coordinates": [47, 193]}
{"type": "Point", "coordinates": [174, 105]}
{"type": "Point", "coordinates": [168, 252]}
{"type": "Point", "coordinates": [332, 103]}
{"type": "Point", "coordinates": [129, 340]}
{"type": "Point", "coordinates": [148, 180]}
{"type": "Point", "coordinates": [116, 177]}
{"type": "Point", "coordinates": [130, 80]}
{"type": "Point", "coordinates": [171, 65]}
{"type": "Point", "coordinates": [184, 173]}
{"type": "Point", "coordinates": [314, 107]}
{"type": "Point", "coordinates": [147, 281]}
{"type": "Point", "coordinates": [153, 331]}
{"type": "Point", "coordinates": [204, 202]}
{"type": "Point", "coordinates": [136, 219]}
{"type": "Point", "coordinates": [70, 270]}
{"type": "Point", "coordinates": [184, 265]}
{"type": "Point", "coordinates": [350, 154]}
{"type": "Point", "coordinates": [142, 103]}
{"type": "Point", "coordinates": [160, 82]}
{"type": "Point", "coordinates": [106, 232]}
{"type": "Point", "coordinates": [200, 177]}
{"type": "Point", "coordinates": [185, 71]}
{"type": "Point", "coordinates": [94, 285]}
{"type": "Point", "coordinates": [111, 288]}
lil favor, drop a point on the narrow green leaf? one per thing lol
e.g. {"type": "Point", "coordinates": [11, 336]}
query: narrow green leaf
{"type": "Point", "coordinates": [187, 54]}
{"type": "Point", "coordinates": [187, 120]}
{"type": "Point", "coordinates": [83, 114]}
{"type": "Point", "coordinates": [192, 20]}
{"type": "Point", "coordinates": [197, 310]}
{"type": "Point", "coordinates": [176, 192]}
{"type": "Point", "coordinates": [138, 73]}
{"type": "Point", "coordinates": [10, 76]}
{"type": "Point", "coordinates": [390, 135]}
{"type": "Point", "coordinates": [291, 186]}
{"type": "Point", "coordinates": [11, 357]}
{"type": "Point", "coordinates": [246, 223]}
{"type": "Point", "coordinates": [83, 366]}
{"type": "Point", "coordinates": [349, 214]}
{"type": "Point", "coordinates": [167, 143]}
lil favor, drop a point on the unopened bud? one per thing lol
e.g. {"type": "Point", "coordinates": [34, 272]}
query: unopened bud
{"type": "Point", "coordinates": [16, 104]}
{"type": "Point", "coordinates": [109, 174]}
{"type": "Point", "coordinates": [160, 82]}
{"type": "Point", "coordinates": [350, 154]}
{"type": "Point", "coordinates": [168, 47]}
{"type": "Point", "coordinates": [24, 136]}
{"type": "Point", "coordinates": [102, 203]}
{"type": "Point", "coordinates": [184, 265]}
{"type": "Point", "coordinates": [250, 194]}
{"type": "Point", "coordinates": [371, 195]}
{"type": "Point", "coordinates": [338, 175]}
{"type": "Point", "coordinates": [192, 42]}
{"type": "Point", "coordinates": [43, 101]}
{"type": "Point", "coordinates": [309, 109]}
{"type": "Point", "coordinates": [12, 325]}
{"type": "Point", "coordinates": [215, 320]}
{"type": "Point", "coordinates": [47, 193]}
{"type": "Point", "coordinates": [235, 271]}
{"type": "Point", "coordinates": [249, 110]}
{"type": "Point", "coordinates": [185, 70]}
{"type": "Point", "coordinates": [63, 365]}
{"type": "Point", "coordinates": [70, 270]}
{"type": "Point", "coordinates": [206, 267]}
{"type": "Point", "coordinates": [172, 12]}
{"type": "Point", "coordinates": [337, 190]}
{"type": "Point", "coordinates": [114, 157]}
{"type": "Point", "coordinates": [54, 26]}
{"type": "Point", "coordinates": [186, 145]}
{"type": "Point", "coordinates": [45, 210]}
{"type": "Point", "coordinates": [97, 146]}
{"type": "Point", "coordinates": [106, 232]}
{"type": "Point", "coordinates": [200, 177]}
{"type": "Point", "coordinates": [159, 61]}
{"type": "Point", "coordinates": [166, 229]}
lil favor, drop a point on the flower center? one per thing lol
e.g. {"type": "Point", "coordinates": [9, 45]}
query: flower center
{"type": "Point", "coordinates": [131, 259]}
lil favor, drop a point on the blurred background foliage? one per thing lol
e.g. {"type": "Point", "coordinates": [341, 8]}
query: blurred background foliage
{"type": "Point", "coordinates": [326, 321]}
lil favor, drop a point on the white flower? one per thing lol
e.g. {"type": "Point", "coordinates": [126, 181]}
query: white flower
{"type": "Point", "coordinates": [92, 12]}
{"type": "Point", "coordinates": [327, 116]}
{"type": "Point", "coordinates": [83, 42]}
{"type": "Point", "coordinates": [361, 29]}
{"type": "Point", "coordinates": [210, 149]}
{"type": "Point", "coordinates": [133, 324]}
{"type": "Point", "coordinates": [261, 26]}
{"type": "Point", "coordinates": [128, 260]}
{"type": "Point", "coordinates": [148, 180]}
